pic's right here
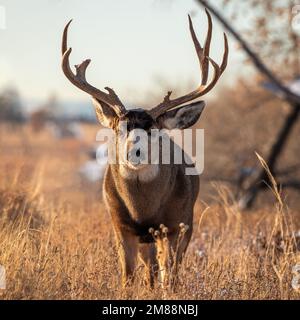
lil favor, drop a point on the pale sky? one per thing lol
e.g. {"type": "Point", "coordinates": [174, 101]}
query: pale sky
{"type": "Point", "coordinates": [131, 43]}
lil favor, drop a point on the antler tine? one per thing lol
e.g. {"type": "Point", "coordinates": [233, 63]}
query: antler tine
{"type": "Point", "coordinates": [202, 53]}
{"type": "Point", "coordinates": [79, 79]}
{"type": "Point", "coordinates": [205, 65]}
{"type": "Point", "coordinates": [225, 55]}
{"type": "Point", "coordinates": [81, 69]}
{"type": "Point", "coordinates": [64, 45]}
{"type": "Point", "coordinates": [204, 60]}
{"type": "Point", "coordinates": [217, 73]}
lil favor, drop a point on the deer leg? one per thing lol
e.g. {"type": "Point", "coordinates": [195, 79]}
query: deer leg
{"type": "Point", "coordinates": [147, 255]}
{"type": "Point", "coordinates": [179, 244]}
{"type": "Point", "coordinates": [127, 249]}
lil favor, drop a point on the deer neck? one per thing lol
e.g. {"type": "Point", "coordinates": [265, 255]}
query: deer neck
{"type": "Point", "coordinates": [144, 193]}
{"type": "Point", "coordinates": [147, 174]}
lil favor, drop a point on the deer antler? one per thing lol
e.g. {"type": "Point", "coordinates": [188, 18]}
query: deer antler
{"type": "Point", "coordinates": [79, 79]}
{"type": "Point", "coordinates": [204, 59]}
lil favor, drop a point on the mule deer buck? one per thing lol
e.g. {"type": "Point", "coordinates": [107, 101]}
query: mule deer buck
{"type": "Point", "coordinates": [152, 204]}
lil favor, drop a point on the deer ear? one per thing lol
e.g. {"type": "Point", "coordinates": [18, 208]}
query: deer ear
{"type": "Point", "coordinates": [105, 114]}
{"type": "Point", "coordinates": [181, 118]}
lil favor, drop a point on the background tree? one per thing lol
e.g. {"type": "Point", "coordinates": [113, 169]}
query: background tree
{"type": "Point", "coordinates": [268, 27]}
{"type": "Point", "coordinates": [11, 106]}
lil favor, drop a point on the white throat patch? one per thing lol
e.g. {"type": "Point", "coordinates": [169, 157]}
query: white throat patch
{"type": "Point", "coordinates": [145, 174]}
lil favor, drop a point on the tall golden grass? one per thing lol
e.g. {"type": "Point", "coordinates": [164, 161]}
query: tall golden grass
{"type": "Point", "coordinates": [56, 240]}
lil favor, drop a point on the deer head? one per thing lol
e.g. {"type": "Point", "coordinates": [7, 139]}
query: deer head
{"type": "Point", "coordinates": [111, 112]}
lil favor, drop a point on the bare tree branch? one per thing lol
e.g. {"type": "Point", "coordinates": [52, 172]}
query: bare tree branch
{"type": "Point", "coordinates": [256, 186]}
{"type": "Point", "coordinates": [286, 93]}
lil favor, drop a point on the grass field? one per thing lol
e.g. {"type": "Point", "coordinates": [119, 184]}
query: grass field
{"type": "Point", "coordinates": [56, 240]}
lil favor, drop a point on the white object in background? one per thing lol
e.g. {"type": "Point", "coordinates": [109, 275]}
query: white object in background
{"type": "Point", "coordinates": [293, 85]}
{"type": "Point", "coordinates": [102, 154]}
{"type": "Point", "coordinates": [93, 170]}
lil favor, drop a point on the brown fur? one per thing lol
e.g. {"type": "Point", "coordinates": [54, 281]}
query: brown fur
{"type": "Point", "coordinates": [168, 199]}
{"type": "Point", "coordinates": [136, 206]}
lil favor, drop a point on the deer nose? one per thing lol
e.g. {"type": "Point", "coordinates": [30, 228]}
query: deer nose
{"type": "Point", "coordinates": [136, 156]}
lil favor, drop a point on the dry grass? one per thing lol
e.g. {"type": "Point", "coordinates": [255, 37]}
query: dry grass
{"type": "Point", "coordinates": [56, 240]}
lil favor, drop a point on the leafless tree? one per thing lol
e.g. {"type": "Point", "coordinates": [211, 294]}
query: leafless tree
{"type": "Point", "coordinates": [273, 40]}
